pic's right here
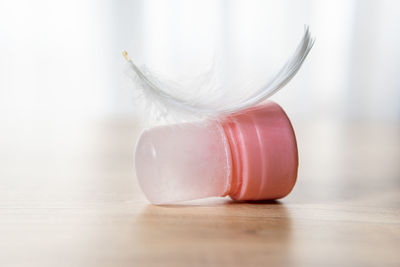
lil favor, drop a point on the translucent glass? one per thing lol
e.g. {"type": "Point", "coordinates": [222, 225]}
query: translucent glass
{"type": "Point", "coordinates": [183, 162]}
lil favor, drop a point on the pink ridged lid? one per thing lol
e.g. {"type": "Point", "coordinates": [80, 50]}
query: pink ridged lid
{"type": "Point", "coordinates": [264, 153]}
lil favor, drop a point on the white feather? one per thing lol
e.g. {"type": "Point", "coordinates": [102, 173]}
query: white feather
{"type": "Point", "coordinates": [167, 99]}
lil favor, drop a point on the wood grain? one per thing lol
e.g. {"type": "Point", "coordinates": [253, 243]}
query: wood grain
{"type": "Point", "coordinates": [69, 197]}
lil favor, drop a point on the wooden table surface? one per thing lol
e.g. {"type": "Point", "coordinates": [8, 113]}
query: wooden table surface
{"type": "Point", "coordinates": [69, 197]}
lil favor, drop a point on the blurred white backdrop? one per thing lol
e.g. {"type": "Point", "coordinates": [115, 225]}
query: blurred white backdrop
{"type": "Point", "coordinates": [63, 60]}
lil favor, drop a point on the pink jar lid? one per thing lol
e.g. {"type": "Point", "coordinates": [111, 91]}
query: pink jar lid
{"type": "Point", "coordinates": [264, 153]}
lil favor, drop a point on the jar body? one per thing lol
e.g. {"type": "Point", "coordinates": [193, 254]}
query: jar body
{"type": "Point", "coordinates": [183, 162]}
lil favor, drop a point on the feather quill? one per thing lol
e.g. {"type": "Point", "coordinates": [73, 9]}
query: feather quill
{"type": "Point", "coordinates": [162, 99]}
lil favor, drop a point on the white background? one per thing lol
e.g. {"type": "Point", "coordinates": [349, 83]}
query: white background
{"type": "Point", "coordinates": [62, 59]}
